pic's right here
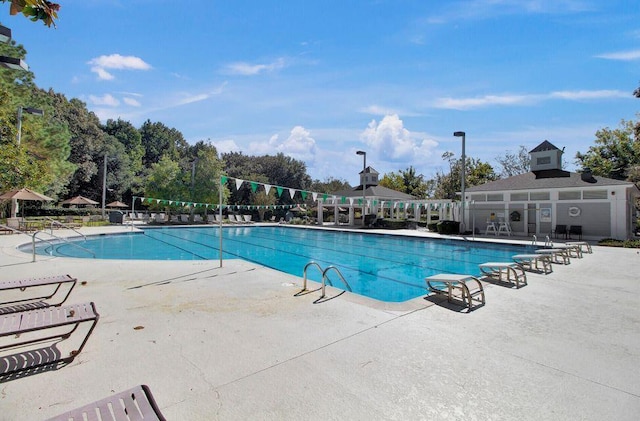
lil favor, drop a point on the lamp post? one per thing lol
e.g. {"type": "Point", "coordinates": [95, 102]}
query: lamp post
{"type": "Point", "coordinates": [464, 167]}
{"type": "Point", "coordinates": [28, 110]}
{"type": "Point", "coordinates": [363, 181]}
{"type": "Point", "coordinates": [104, 184]}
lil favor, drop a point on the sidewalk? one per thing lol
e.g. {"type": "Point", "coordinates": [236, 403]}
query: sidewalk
{"type": "Point", "coordinates": [234, 343]}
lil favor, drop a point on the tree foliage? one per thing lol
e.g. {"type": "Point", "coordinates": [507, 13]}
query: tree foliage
{"type": "Point", "coordinates": [615, 153]}
{"type": "Point", "coordinates": [514, 163]}
{"type": "Point", "coordinates": [35, 10]}
{"type": "Point", "coordinates": [448, 184]}
{"type": "Point", "coordinates": [407, 181]}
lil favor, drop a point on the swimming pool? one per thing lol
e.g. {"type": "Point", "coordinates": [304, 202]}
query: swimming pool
{"type": "Point", "coordinates": [384, 267]}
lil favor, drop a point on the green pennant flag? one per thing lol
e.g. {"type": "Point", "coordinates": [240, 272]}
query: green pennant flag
{"type": "Point", "coordinates": [254, 186]}
{"type": "Point", "coordinates": [223, 179]}
{"type": "Point", "coordinates": [401, 205]}
{"type": "Point", "coordinates": [343, 199]}
{"type": "Point", "coordinates": [279, 190]}
{"type": "Point", "coordinates": [360, 202]}
{"type": "Point", "coordinates": [324, 196]}
{"type": "Point", "coordinates": [303, 194]}
{"type": "Point", "coordinates": [375, 203]}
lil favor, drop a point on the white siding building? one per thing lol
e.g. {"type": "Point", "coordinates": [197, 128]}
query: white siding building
{"type": "Point", "coordinates": [547, 198]}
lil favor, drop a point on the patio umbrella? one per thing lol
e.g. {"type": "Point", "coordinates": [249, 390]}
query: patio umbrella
{"type": "Point", "coordinates": [23, 194]}
{"type": "Point", "coordinates": [79, 200]}
{"type": "Point", "coordinates": [117, 204]}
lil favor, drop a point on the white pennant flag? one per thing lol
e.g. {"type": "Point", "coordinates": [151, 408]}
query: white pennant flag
{"type": "Point", "coordinates": [267, 187]}
{"type": "Point", "coordinates": [239, 183]}
{"type": "Point", "coordinates": [292, 192]}
{"type": "Point", "coordinates": [314, 196]}
{"type": "Point", "coordinates": [351, 201]}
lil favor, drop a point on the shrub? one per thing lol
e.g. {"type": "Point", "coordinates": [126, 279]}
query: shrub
{"type": "Point", "coordinates": [448, 227]}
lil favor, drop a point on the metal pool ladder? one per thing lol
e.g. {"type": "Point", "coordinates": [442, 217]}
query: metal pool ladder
{"type": "Point", "coordinates": [325, 278]}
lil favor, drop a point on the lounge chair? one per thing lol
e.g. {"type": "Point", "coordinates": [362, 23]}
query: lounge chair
{"type": "Point", "coordinates": [505, 272]}
{"type": "Point", "coordinates": [587, 246]}
{"type": "Point", "coordinates": [247, 219]}
{"type": "Point", "coordinates": [557, 255]}
{"type": "Point", "coordinates": [534, 262]}
{"type": "Point", "coordinates": [571, 250]}
{"type": "Point", "coordinates": [17, 330]}
{"type": "Point", "coordinates": [38, 293]}
{"type": "Point", "coordinates": [133, 404]}
{"type": "Point", "coordinates": [465, 288]}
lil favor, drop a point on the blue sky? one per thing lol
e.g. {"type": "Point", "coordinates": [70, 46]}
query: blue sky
{"type": "Point", "coordinates": [320, 80]}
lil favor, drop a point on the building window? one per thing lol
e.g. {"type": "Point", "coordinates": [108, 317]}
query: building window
{"type": "Point", "coordinates": [539, 196]}
{"type": "Point", "coordinates": [495, 197]}
{"type": "Point", "coordinates": [519, 197]}
{"type": "Point", "coordinates": [569, 195]}
{"type": "Point", "coordinates": [479, 197]}
{"type": "Point", "coordinates": [543, 160]}
{"type": "Point", "coordinates": [594, 194]}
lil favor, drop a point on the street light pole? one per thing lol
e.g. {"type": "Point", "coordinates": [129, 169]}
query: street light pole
{"type": "Point", "coordinates": [463, 176]}
{"type": "Point", "coordinates": [104, 184]}
{"type": "Point", "coordinates": [363, 180]}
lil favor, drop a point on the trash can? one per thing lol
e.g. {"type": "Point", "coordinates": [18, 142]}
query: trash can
{"type": "Point", "coordinates": [116, 217]}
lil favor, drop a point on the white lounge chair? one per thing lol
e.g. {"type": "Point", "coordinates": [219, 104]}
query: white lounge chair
{"type": "Point", "coordinates": [505, 272]}
{"type": "Point", "coordinates": [465, 288]}
{"type": "Point", "coordinates": [534, 262]}
{"type": "Point", "coordinates": [559, 256]}
{"type": "Point", "coordinates": [587, 246]}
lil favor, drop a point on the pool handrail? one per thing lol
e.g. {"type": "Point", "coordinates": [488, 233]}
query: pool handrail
{"type": "Point", "coordinates": [325, 278]}
{"type": "Point", "coordinates": [62, 224]}
{"type": "Point", "coordinates": [71, 243]}
{"type": "Point", "coordinates": [304, 273]}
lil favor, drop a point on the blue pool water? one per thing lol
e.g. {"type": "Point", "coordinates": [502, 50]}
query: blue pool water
{"type": "Point", "coordinates": [384, 267]}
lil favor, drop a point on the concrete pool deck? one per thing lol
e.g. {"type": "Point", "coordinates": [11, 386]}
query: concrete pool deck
{"type": "Point", "coordinates": [235, 343]}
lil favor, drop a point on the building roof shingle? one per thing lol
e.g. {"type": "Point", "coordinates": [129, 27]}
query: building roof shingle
{"type": "Point", "coordinates": [529, 181]}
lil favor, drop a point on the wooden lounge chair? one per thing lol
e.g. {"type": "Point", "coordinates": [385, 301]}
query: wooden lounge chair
{"type": "Point", "coordinates": [32, 293]}
{"type": "Point", "coordinates": [26, 328]}
{"type": "Point", "coordinates": [534, 262]}
{"type": "Point", "coordinates": [505, 272]}
{"type": "Point", "coordinates": [133, 404]}
{"type": "Point", "coordinates": [465, 288]}
{"type": "Point", "coordinates": [559, 256]}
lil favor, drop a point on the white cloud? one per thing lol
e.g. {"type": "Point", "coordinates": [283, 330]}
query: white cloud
{"type": "Point", "coordinates": [392, 142]}
{"type": "Point", "coordinates": [106, 99]}
{"type": "Point", "coordinates": [621, 55]}
{"type": "Point", "coordinates": [131, 101]}
{"type": "Point", "coordinates": [224, 146]}
{"type": "Point", "coordinates": [99, 65]}
{"type": "Point", "coordinates": [248, 69]}
{"type": "Point", "coordinates": [578, 95]}
{"type": "Point", "coordinates": [525, 99]}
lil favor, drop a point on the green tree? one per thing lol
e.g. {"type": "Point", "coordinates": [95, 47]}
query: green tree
{"type": "Point", "coordinates": [393, 181]}
{"type": "Point", "coordinates": [159, 140]}
{"type": "Point", "coordinates": [448, 184]}
{"type": "Point", "coordinates": [615, 152]}
{"type": "Point", "coordinates": [329, 185]}
{"type": "Point", "coordinates": [407, 181]}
